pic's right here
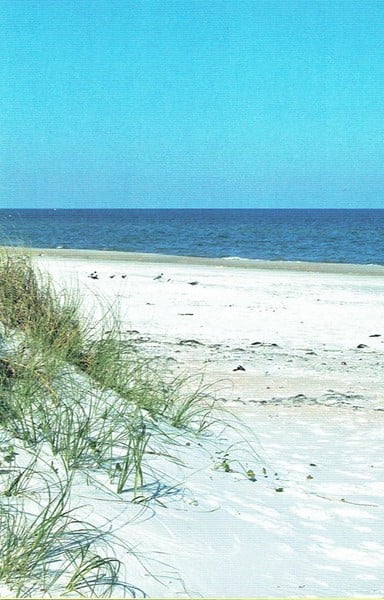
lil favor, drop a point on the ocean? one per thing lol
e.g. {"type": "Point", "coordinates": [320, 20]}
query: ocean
{"type": "Point", "coordinates": [345, 236]}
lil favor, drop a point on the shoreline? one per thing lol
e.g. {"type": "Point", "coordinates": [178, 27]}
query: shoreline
{"type": "Point", "coordinates": [233, 263]}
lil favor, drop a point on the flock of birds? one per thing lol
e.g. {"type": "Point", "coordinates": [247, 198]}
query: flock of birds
{"type": "Point", "coordinates": [94, 275]}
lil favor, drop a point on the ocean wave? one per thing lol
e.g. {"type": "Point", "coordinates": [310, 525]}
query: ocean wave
{"type": "Point", "coordinates": [236, 258]}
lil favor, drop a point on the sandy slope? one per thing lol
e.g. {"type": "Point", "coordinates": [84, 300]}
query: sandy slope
{"type": "Point", "coordinates": [313, 404]}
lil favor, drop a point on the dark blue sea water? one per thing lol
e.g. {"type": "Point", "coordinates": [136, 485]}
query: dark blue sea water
{"type": "Point", "coordinates": [347, 236]}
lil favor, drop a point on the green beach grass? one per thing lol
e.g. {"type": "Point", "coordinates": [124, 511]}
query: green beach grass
{"type": "Point", "coordinates": [78, 399]}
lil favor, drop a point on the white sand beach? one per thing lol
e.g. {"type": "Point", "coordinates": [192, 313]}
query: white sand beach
{"type": "Point", "coordinates": [311, 524]}
{"type": "Point", "coordinates": [284, 500]}
{"type": "Point", "coordinates": [295, 330]}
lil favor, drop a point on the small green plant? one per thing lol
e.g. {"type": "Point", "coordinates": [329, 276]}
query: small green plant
{"type": "Point", "coordinates": [8, 454]}
{"type": "Point", "coordinates": [251, 475]}
{"type": "Point", "coordinates": [132, 460]}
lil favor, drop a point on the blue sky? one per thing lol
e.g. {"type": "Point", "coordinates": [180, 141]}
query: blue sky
{"type": "Point", "coordinates": [192, 103]}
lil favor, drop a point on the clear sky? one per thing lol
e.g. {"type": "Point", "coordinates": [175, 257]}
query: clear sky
{"type": "Point", "coordinates": [192, 103]}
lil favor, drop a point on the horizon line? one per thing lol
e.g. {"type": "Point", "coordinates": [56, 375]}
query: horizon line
{"type": "Point", "coordinates": [54, 208]}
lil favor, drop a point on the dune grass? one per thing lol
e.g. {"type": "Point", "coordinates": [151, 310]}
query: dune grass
{"type": "Point", "coordinates": [50, 549]}
{"type": "Point", "coordinates": [78, 390]}
{"type": "Point", "coordinates": [30, 303]}
{"type": "Point", "coordinates": [45, 549]}
{"type": "Point", "coordinates": [54, 320]}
